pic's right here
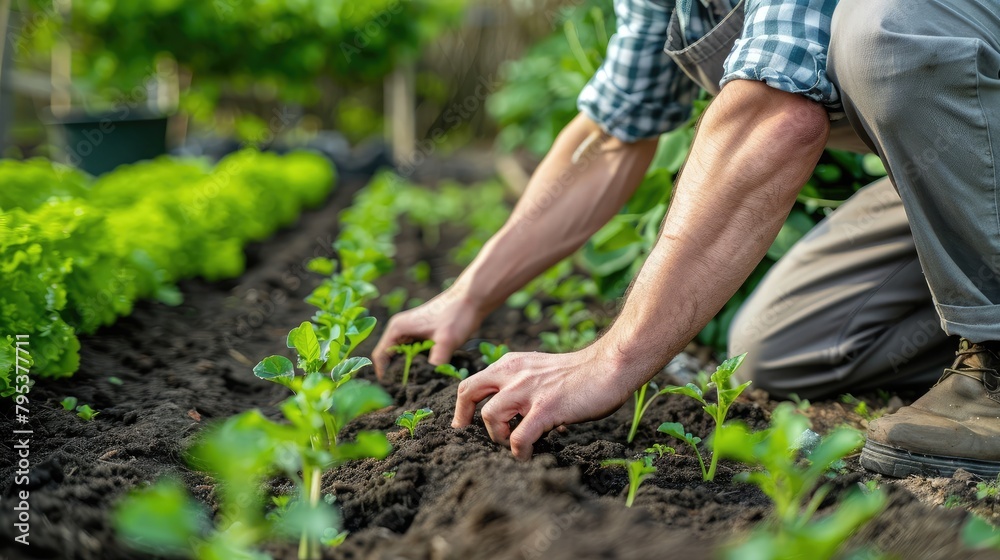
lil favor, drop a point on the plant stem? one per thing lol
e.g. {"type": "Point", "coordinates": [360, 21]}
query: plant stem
{"type": "Point", "coordinates": [631, 494]}
{"type": "Point", "coordinates": [308, 544]}
{"type": "Point", "coordinates": [406, 368]}
{"type": "Point", "coordinates": [704, 473]}
{"type": "Point", "coordinates": [638, 398]}
{"type": "Point", "coordinates": [711, 469]}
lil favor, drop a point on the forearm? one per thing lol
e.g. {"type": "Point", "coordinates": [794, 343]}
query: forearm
{"type": "Point", "coordinates": [564, 204]}
{"type": "Point", "coordinates": [755, 148]}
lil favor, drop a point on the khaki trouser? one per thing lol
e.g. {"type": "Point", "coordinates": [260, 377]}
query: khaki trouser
{"type": "Point", "coordinates": [849, 308]}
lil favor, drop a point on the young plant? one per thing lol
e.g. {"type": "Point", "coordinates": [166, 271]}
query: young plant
{"type": "Point", "coordinates": [411, 418]}
{"type": "Point", "coordinates": [410, 351]}
{"type": "Point", "coordinates": [577, 328]}
{"type": "Point", "coordinates": [861, 408]}
{"type": "Point", "coordinates": [794, 485]}
{"type": "Point", "coordinates": [641, 405]}
{"type": "Point", "coordinates": [989, 489]}
{"type": "Point", "coordinates": [69, 403]}
{"type": "Point", "coordinates": [725, 397]}
{"type": "Point", "coordinates": [676, 430]}
{"type": "Point", "coordinates": [84, 411]}
{"type": "Point", "coordinates": [660, 450]}
{"type": "Point", "coordinates": [492, 352]}
{"type": "Point", "coordinates": [452, 371]}
{"type": "Point", "coordinates": [638, 471]}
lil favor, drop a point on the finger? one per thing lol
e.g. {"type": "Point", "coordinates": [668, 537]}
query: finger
{"type": "Point", "coordinates": [497, 415]}
{"type": "Point", "coordinates": [470, 392]}
{"type": "Point", "coordinates": [531, 429]}
{"type": "Point", "coordinates": [381, 355]}
{"type": "Point", "coordinates": [441, 353]}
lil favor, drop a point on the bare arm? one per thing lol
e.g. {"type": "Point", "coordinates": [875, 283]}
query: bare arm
{"type": "Point", "coordinates": [564, 204]}
{"type": "Point", "coordinates": [755, 148]}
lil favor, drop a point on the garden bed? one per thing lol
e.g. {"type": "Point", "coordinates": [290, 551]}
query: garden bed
{"type": "Point", "coordinates": [445, 493]}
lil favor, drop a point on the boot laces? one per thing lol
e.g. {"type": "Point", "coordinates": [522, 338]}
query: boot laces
{"type": "Point", "coordinates": [966, 350]}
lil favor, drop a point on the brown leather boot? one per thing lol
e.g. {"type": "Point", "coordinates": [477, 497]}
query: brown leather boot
{"type": "Point", "coordinates": [955, 425]}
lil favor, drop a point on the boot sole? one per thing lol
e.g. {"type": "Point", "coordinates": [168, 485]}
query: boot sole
{"type": "Point", "coordinates": [900, 463]}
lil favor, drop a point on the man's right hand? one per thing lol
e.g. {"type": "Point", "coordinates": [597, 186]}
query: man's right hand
{"type": "Point", "coordinates": [449, 320]}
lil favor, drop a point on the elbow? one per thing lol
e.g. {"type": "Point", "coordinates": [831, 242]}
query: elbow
{"type": "Point", "coordinates": [788, 123]}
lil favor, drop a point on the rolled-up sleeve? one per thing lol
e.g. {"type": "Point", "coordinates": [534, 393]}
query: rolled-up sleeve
{"type": "Point", "coordinates": [785, 45]}
{"type": "Point", "coordinates": [638, 91]}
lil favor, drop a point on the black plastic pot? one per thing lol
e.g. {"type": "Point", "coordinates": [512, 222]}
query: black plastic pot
{"type": "Point", "coordinates": [100, 142]}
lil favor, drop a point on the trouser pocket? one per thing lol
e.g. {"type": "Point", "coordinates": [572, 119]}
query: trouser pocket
{"type": "Point", "coordinates": [703, 59]}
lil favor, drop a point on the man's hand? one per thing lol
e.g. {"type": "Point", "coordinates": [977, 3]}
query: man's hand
{"type": "Point", "coordinates": [547, 390]}
{"type": "Point", "coordinates": [449, 320]}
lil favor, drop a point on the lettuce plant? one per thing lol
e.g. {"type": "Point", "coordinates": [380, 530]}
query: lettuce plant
{"type": "Point", "coordinates": [452, 371]}
{"type": "Point", "coordinates": [410, 351]}
{"type": "Point", "coordinates": [638, 471]}
{"type": "Point", "coordinates": [492, 352]}
{"type": "Point", "coordinates": [411, 418]}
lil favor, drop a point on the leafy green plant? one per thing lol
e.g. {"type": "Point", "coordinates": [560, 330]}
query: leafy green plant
{"type": "Point", "coordinates": [660, 450]}
{"type": "Point", "coordinates": [492, 352]}
{"type": "Point", "coordinates": [410, 351]}
{"type": "Point", "coordinates": [977, 533]}
{"type": "Point", "coordinates": [638, 471]}
{"type": "Point", "coordinates": [861, 407]}
{"type": "Point", "coordinates": [577, 328]}
{"type": "Point", "coordinates": [69, 403]}
{"type": "Point", "coordinates": [394, 300]}
{"type": "Point", "coordinates": [452, 371]}
{"type": "Point", "coordinates": [989, 489]}
{"type": "Point", "coordinates": [795, 486]}
{"type": "Point", "coordinates": [86, 412]}
{"type": "Point", "coordinates": [725, 397]}
{"type": "Point", "coordinates": [411, 418]}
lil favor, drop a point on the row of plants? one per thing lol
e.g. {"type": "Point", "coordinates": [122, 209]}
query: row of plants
{"type": "Point", "coordinates": [243, 451]}
{"type": "Point", "coordinates": [78, 252]}
{"type": "Point", "coordinates": [556, 70]}
{"type": "Point", "coordinates": [789, 463]}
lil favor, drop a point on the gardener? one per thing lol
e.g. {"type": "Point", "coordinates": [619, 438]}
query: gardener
{"type": "Point", "coordinates": [848, 307]}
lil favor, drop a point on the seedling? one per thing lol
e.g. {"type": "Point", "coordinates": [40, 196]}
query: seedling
{"type": "Point", "coordinates": [69, 403]}
{"type": "Point", "coordinates": [861, 408]}
{"type": "Point", "coordinates": [452, 371]}
{"type": "Point", "coordinates": [115, 380]}
{"type": "Point", "coordinates": [577, 328]}
{"type": "Point", "coordinates": [395, 300]}
{"type": "Point", "coordinates": [638, 471]}
{"type": "Point", "coordinates": [84, 411]}
{"type": "Point", "coordinates": [492, 352]}
{"type": "Point", "coordinates": [410, 351]}
{"type": "Point", "coordinates": [989, 489]}
{"type": "Point", "coordinates": [660, 450]}
{"type": "Point", "coordinates": [979, 534]}
{"type": "Point", "coordinates": [389, 475]}
{"type": "Point", "coordinates": [411, 418]}
{"type": "Point", "coordinates": [641, 405]}
{"type": "Point", "coordinates": [792, 485]}
{"type": "Point", "coordinates": [675, 429]}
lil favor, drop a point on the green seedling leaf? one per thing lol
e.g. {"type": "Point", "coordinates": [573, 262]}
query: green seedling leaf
{"type": "Point", "coordinates": [347, 368]}
{"type": "Point", "coordinates": [638, 471]}
{"type": "Point", "coordinates": [353, 399]}
{"type": "Point", "coordinates": [161, 519]}
{"type": "Point", "coordinates": [660, 450]}
{"type": "Point", "coordinates": [69, 403]}
{"type": "Point", "coordinates": [367, 444]}
{"type": "Point", "coordinates": [451, 371]}
{"type": "Point", "coordinates": [410, 351]}
{"type": "Point", "coordinates": [978, 534]}
{"type": "Point", "coordinates": [275, 368]}
{"type": "Point", "coordinates": [303, 339]}
{"type": "Point", "coordinates": [690, 390]}
{"type": "Point", "coordinates": [115, 381]}
{"type": "Point", "coordinates": [492, 352]}
{"type": "Point", "coordinates": [322, 265]}
{"type": "Point", "coordinates": [84, 411]}
{"type": "Point", "coordinates": [411, 418]}
{"type": "Point", "coordinates": [676, 429]}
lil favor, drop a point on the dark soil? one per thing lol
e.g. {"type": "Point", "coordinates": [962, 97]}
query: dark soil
{"type": "Point", "coordinates": [452, 494]}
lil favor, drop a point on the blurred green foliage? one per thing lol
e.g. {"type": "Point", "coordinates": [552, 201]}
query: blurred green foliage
{"type": "Point", "coordinates": [539, 99]}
